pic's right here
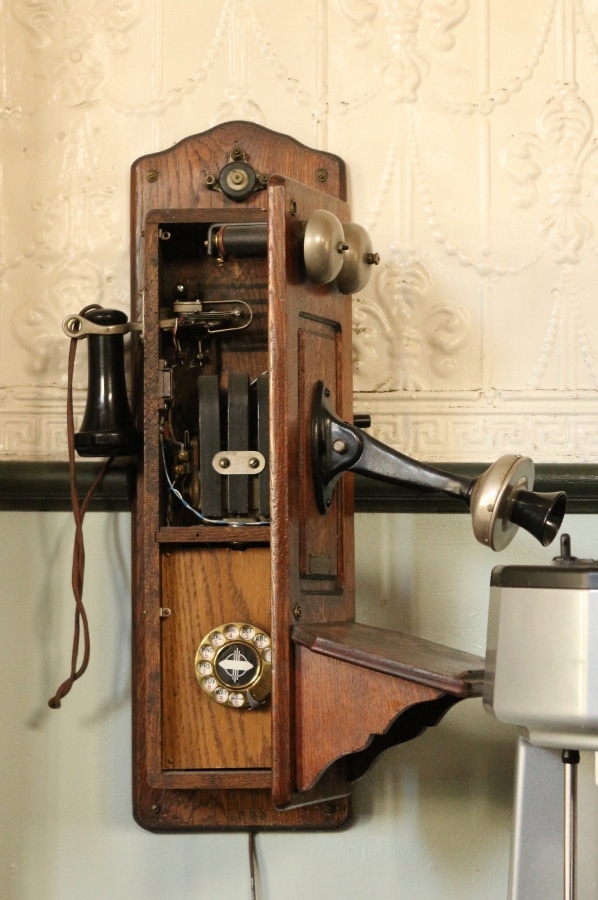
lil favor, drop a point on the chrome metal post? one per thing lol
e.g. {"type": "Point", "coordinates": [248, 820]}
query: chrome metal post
{"type": "Point", "coordinates": [570, 761]}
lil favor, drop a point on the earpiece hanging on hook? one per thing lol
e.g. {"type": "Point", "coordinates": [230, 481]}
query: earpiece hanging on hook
{"type": "Point", "coordinates": [108, 428]}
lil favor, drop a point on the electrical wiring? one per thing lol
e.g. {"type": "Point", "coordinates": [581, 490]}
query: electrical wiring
{"type": "Point", "coordinates": [234, 523]}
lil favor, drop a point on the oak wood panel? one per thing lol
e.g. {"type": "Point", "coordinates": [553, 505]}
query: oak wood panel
{"type": "Point", "coordinates": [165, 798]}
{"type": "Point", "coordinates": [203, 588]}
{"type": "Point", "coordinates": [175, 810]}
{"type": "Point", "coordinates": [214, 534]}
{"type": "Point", "coordinates": [320, 540]}
{"type": "Point", "coordinates": [213, 779]}
{"type": "Point", "coordinates": [299, 312]}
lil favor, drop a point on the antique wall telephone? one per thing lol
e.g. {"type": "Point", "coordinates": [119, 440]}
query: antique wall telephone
{"type": "Point", "coordinates": [257, 698]}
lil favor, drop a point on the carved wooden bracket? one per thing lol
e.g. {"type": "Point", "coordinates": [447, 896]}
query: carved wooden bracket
{"type": "Point", "coordinates": [361, 689]}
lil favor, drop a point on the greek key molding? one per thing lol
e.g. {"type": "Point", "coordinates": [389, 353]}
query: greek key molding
{"type": "Point", "coordinates": [471, 426]}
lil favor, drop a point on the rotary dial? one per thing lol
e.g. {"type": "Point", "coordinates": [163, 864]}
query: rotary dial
{"type": "Point", "coordinates": [233, 665]}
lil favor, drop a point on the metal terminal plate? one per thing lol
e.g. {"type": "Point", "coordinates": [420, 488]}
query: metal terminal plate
{"type": "Point", "coordinates": [239, 462]}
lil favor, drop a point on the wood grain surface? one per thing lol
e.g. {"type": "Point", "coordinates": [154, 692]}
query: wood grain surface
{"type": "Point", "coordinates": [203, 590]}
{"type": "Point", "coordinates": [196, 765]}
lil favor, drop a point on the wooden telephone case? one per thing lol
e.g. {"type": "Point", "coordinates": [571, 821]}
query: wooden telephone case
{"type": "Point", "coordinates": [341, 691]}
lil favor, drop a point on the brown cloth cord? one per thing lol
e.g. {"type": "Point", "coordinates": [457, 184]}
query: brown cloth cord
{"type": "Point", "coordinates": [79, 510]}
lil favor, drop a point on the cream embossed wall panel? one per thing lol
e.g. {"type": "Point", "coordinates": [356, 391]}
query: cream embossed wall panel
{"type": "Point", "coordinates": [478, 334]}
{"type": "Point", "coordinates": [468, 129]}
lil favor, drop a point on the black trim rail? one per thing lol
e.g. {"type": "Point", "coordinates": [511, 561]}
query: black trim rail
{"type": "Point", "coordinates": [44, 487]}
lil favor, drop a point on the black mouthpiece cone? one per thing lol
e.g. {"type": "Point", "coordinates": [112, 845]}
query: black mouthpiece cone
{"type": "Point", "coordinates": [540, 514]}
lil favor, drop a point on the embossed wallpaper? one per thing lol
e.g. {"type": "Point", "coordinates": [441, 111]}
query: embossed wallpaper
{"type": "Point", "coordinates": [468, 129]}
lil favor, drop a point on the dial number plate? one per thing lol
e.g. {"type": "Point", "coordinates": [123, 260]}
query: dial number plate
{"type": "Point", "coordinates": [233, 665]}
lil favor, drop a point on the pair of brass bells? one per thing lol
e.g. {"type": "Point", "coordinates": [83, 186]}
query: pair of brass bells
{"type": "Point", "coordinates": [330, 250]}
{"type": "Point", "coordinates": [334, 251]}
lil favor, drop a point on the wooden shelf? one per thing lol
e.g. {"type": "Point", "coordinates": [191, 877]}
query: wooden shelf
{"type": "Point", "coordinates": [384, 686]}
{"type": "Point", "coordinates": [397, 654]}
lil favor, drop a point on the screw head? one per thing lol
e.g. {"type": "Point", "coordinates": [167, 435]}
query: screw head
{"type": "Point", "coordinates": [237, 177]}
{"type": "Point", "coordinates": [297, 611]}
{"type": "Point", "coordinates": [322, 175]}
{"type": "Point", "coordinates": [152, 175]}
